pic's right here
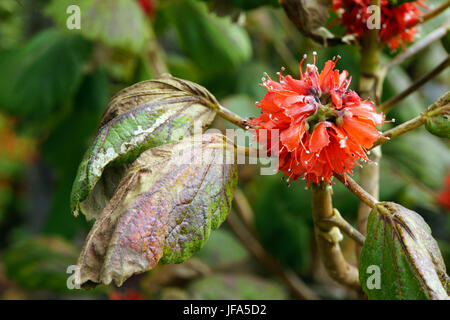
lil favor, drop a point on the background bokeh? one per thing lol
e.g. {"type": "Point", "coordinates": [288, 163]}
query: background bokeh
{"type": "Point", "coordinates": [55, 84]}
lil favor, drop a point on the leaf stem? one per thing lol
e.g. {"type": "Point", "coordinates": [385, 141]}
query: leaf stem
{"type": "Point", "coordinates": [418, 46]}
{"type": "Point", "coordinates": [328, 237]}
{"type": "Point", "coordinates": [357, 190]}
{"type": "Point", "coordinates": [233, 117]}
{"type": "Point", "coordinates": [389, 104]}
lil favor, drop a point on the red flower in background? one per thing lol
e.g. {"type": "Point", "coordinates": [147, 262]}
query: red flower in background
{"type": "Point", "coordinates": [397, 21]}
{"type": "Point", "coordinates": [323, 126]}
{"type": "Point", "coordinates": [147, 6]}
{"type": "Point", "coordinates": [443, 197]}
{"type": "Point", "coordinates": [129, 295]}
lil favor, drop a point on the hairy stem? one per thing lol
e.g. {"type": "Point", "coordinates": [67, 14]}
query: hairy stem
{"type": "Point", "coordinates": [389, 104]}
{"type": "Point", "coordinates": [328, 237]}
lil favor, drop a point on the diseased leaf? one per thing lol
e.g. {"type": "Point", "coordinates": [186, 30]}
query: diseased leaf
{"type": "Point", "coordinates": [164, 208]}
{"type": "Point", "coordinates": [399, 242]}
{"type": "Point", "coordinates": [146, 115]}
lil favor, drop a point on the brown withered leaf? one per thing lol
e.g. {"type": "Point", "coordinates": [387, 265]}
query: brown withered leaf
{"type": "Point", "coordinates": [164, 209]}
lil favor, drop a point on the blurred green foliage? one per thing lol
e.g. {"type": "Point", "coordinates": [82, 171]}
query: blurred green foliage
{"type": "Point", "coordinates": [55, 84]}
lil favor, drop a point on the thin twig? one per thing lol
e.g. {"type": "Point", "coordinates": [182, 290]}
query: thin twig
{"type": "Point", "coordinates": [292, 281]}
{"type": "Point", "coordinates": [389, 104]}
{"type": "Point", "coordinates": [418, 46]}
{"type": "Point", "coordinates": [357, 190]}
{"type": "Point", "coordinates": [338, 221]}
{"type": "Point", "coordinates": [328, 237]}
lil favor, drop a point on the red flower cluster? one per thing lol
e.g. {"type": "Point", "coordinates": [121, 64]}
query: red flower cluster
{"type": "Point", "coordinates": [443, 197]}
{"type": "Point", "coordinates": [397, 21]}
{"type": "Point", "coordinates": [323, 127]}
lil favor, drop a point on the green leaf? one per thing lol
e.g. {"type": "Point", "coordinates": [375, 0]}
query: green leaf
{"type": "Point", "coordinates": [24, 92]}
{"type": "Point", "coordinates": [164, 209]}
{"type": "Point", "coordinates": [400, 244]}
{"type": "Point", "coordinates": [214, 44]}
{"type": "Point", "coordinates": [145, 115]}
{"type": "Point", "coordinates": [117, 23]}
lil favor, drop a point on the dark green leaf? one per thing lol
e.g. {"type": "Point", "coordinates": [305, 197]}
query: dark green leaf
{"type": "Point", "coordinates": [400, 244]}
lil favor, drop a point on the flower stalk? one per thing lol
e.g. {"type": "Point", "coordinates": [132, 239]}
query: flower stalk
{"type": "Point", "coordinates": [328, 237]}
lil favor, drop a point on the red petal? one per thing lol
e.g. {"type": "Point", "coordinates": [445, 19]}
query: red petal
{"type": "Point", "coordinates": [319, 138]}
